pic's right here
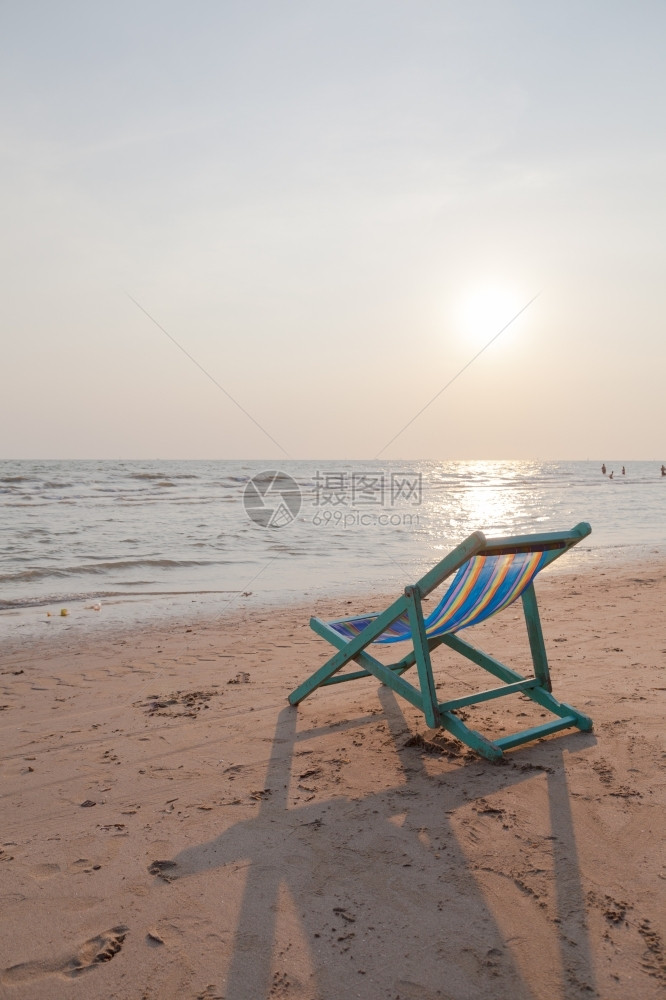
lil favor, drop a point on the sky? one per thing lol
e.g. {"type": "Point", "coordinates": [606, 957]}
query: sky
{"type": "Point", "coordinates": [260, 228]}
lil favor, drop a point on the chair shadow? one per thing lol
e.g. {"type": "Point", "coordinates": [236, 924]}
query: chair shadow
{"type": "Point", "coordinates": [348, 850]}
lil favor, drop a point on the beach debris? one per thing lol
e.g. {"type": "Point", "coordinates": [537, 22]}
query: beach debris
{"type": "Point", "coordinates": [316, 824]}
{"type": "Point", "coordinates": [313, 772]}
{"type": "Point", "coordinates": [64, 612]}
{"type": "Point", "coordinates": [154, 939]}
{"type": "Point", "coordinates": [483, 808]}
{"type": "Point", "coordinates": [441, 745]}
{"type": "Point", "coordinates": [210, 993]}
{"type": "Point", "coordinates": [260, 793]}
{"type": "Point", "coordinates": [242, 677]}
{"type": "Point", "coordinates": [177, 704]}
{"type": "Point", "coordinates": [87, 804]}
{"type": "Point", "coordinates": [94, 607]}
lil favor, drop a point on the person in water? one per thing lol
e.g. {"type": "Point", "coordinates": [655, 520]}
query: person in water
{"type": "Point", "coordinates": [603, 469]}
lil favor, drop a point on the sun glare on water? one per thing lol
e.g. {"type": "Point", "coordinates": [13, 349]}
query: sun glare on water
{"type": "Point", "coordinates": [484, 310]}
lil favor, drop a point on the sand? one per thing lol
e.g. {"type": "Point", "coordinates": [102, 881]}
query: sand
{"type": "Point", "coordinates": [171, 827]}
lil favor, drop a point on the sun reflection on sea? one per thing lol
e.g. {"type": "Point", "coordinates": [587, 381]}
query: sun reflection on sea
{"type": "Point", "coordinates": [497, 498]}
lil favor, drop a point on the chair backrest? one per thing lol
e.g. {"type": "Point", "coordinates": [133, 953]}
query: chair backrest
{"type": "Point", "coordinates": [483, 586]}
{"type": "Point", "coordinates": [488, 581]}
{"type": "Point", "coordinates": [490, 574]}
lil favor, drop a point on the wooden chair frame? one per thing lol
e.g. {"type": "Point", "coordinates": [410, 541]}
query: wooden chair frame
{"type": "Point", "coordinates": [408, 607]}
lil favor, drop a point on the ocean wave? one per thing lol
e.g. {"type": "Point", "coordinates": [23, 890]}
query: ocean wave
{"type": "Point", "coordinates": [44, 601]}
{"type": "Point", "coordinates": [27, 501]}
{"type": "Point", "coordinates": [161, 475]}
{"type": "Point", "coordinates": [13, 483]}
{"type": "Point", "coordinates": [108, 566]}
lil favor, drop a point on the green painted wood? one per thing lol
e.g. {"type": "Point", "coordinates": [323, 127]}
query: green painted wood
{"type": "Point", "coordinates": [545, 540]}
{"type": "Point", "coordinates": [406, 662]}
{"type": "Point", "coordinates": [482, 659]}
{"type": "Point", "coordinates": [472, 546]}
{"type": "Point", "coordinates": [353, 646]}
{"type": "Point", "coordinates": [551, 704]}
{"type": "Point", "coordinates": [535, 635]}
{"type": "Point", "coordinates": [485, 747]}
{"type": "Point", "coordinates": [500, 670]}
{"type": "Point", "coordinates": [488, 695]}
{"type": "Point", "coordinates": [536, 732]}
{"type": "Point", "coordinates": [383, 673]}
{"type": "Point", "coordinates": [347, 650]}
{"type": "Point", "coordinates": [357, 674]}
{"type": "Point", "coordinates": [422, 654]}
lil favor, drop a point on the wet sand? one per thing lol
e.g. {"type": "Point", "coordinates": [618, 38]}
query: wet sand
{"type": "Point", "coordinates": [173, 828]}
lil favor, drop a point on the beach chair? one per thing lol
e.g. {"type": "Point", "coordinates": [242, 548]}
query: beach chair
{"type": "Point", "coordinates": [487, 576]}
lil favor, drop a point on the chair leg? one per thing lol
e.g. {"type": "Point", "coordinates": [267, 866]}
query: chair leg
{"type": "Point", "coordinates": [422, 656]}
{"type": "Point", "coordinates": [470, 737]}
{"type": "Point", "coordinates": [386, 673]}
{"type": "Point", "coordinates": [544, 697]}
{"type": "Point", "coordinates": [535, 635]}
{"type": "Point", "coordinates": [537, 693]}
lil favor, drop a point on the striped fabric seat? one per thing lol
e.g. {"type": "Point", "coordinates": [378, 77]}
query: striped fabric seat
{"type": "Point", "coordinates": [484, 585]}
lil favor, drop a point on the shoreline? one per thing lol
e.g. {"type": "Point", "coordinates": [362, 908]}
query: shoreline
{"type": "Point", "coordinates": [137, 611]}
{"type": "Point", "coordinates": [166, 809]}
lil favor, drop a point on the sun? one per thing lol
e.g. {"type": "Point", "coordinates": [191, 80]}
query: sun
{"type": "Point", "coordinates": [484, 309]}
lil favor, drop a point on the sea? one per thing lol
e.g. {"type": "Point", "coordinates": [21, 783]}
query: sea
{"type": "Point", "coordinates": [131, 541]}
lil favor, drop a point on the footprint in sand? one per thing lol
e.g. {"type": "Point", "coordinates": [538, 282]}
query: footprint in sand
{"type": "Point", "coordinates": [45, 870]}
{"type": "Point", "coordinates": [166, 870]}
{"type": "Point", "coordinates": [101, 948]}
